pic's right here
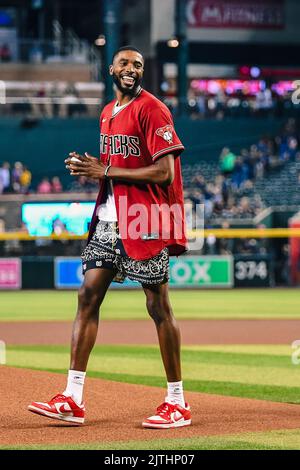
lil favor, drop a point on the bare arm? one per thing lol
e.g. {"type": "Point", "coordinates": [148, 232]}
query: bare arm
{"type": "Point", "coordinates": [161, 172]}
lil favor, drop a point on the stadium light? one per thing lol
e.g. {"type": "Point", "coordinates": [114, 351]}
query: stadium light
{"type": "Point", "coordinates": [173, 42]}
{"type": "Point", "coordinates": [255, 72]}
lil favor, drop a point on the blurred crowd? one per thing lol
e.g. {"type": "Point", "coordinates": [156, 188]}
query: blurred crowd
{"type": "Point", "coordinates": [17, 179]}
{"type": "Point", "coordinates": [230, 193]}
{"type": "Point", "coordinates": [66, 100]}
{"type": "Point", "coordinates": [50, 102]}
{"type": "Point", "coordinates": [266, 103]}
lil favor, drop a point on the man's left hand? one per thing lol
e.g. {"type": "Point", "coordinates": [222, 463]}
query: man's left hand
{"type": "Point", "coordinates": [89, 166]}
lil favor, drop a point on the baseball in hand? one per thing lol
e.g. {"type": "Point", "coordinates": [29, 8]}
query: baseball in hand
{"type": "Point", "coordinates": [75, 160]}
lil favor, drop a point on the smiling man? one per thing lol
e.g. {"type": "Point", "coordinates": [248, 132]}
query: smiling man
{"type": "Point", "coordinates": [137, 223]}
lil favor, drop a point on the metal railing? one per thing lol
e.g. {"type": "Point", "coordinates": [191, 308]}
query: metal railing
{"type": "Point", "coordinates": [65, 47]}
{"type": "Point", "coordinates": [218, 233]}
{"type": "Point", "coordinates": [40, 51]}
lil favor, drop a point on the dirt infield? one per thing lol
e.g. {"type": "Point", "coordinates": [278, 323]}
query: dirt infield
{"type": "Point", "coordinates": [106, 422]}
{"type": "Point", "coordinates": [143, 332]}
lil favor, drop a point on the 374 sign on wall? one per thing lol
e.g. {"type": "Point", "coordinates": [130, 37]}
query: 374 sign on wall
{"type": "Point", "coordinates": [253, 271]}
{"type": "Point", "coordinates": [236, 14]}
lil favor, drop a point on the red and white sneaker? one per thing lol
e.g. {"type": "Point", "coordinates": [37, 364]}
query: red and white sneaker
{"type": "Point", "coordinates": [60, 407]}
{"type": "Point", "coordinates": [169, 416]}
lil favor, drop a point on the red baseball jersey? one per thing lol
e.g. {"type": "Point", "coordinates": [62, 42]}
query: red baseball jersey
{"type": "Point", "coordinates": [150, 217]}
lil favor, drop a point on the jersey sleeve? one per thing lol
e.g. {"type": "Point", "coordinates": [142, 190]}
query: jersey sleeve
{"type": "Point", "coordinates": [160, 134]}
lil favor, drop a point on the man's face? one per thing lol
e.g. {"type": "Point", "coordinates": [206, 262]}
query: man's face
{"type": "Point", "coordinates": [127, 71]}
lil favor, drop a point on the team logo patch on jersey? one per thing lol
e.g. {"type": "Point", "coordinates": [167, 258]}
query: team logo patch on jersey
{"type": "Point", "coordinates": [166, 133]}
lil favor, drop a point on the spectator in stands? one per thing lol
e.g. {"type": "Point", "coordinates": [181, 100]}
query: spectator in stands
{"type": "Point", "coordinates": [263, 102]}
{"type": "Point", "coordinates": [83, 185]}
{"type": "Point", "coordinates": [44, 186]}
{"type": "Point", "coordinates": [257, 204]}
{"type": "Point", "coordinates": [230, 210]}
{"type": "Point", "coordinates": [245, 209]}
{"type": "Point", "coordinates": [220, 104]}
{"type": "Point", "coordinates": [223, 184]}
{"type": "Point", "coordinates": [44, 108]}
{"type": "Point", "coordinates": [71, 104]}
{"type": "Point", "coordinates": [4, 178]}
{"type": "Point", "coordinates": [226, 245]}
{"type": "Point", "coordinates": [292, 148]}
{"type": "Point", "coordinates": [249, 164]}
{"type": "Point", "coordinates": [5, 53]}
{"type": "Point", "coordinates": [56, 186]}
{"type": "Point", "coordinates": [201, 104]}
{"type": "Point", "coordinates": [36, 54]}
{"type": "Point", "coordinates": [25, 180]}
{"type": "Point", "coordinates": [211, 244]}
{"type": "Point", "coordinates": [199, 182]}
{"type": "Point", "coordinates": [227, 161]}
{"type": "Point", "coordinates": [239, 174]}
{"type": "Point", "coordinates": [16, 175]}
{"type": "Point", "coordinates": [55, 93]}
{"type": "Point", "coordinates": [209, 199]}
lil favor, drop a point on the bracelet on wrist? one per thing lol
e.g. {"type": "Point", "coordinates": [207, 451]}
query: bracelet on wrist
{"type": "Point", "coordinates": [106, 171]}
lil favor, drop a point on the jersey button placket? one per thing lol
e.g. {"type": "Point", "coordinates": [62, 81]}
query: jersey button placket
{"type": "Point", "coordinates": [110, 182]}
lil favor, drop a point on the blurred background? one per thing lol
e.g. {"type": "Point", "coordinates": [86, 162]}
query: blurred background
{"type": "Point", "coordinates": [229, 72]}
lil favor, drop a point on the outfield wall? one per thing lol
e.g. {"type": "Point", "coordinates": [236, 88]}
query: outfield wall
{"type": "Point", "coordinates": [190, 272]}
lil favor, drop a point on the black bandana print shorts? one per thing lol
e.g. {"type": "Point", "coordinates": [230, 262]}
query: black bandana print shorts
{"type": "Point", "coordinates": [106, 250]}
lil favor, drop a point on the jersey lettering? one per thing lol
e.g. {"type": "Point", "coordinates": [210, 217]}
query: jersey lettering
{"type": "Point", "coordinates": [125, 145]}
{"type": "Point", "coordinates": [134, 143]}
{"type": "Point", "coordinates": [103, 143]}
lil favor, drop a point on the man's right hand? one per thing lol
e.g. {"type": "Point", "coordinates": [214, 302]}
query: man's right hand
{"type": "Point", "coordinates": [87, 166]}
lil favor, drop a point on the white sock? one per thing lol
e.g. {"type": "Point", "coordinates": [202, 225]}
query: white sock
{"type": "Point", "coordinates": [175, 393]}
{"type": "Point", "coordinates": [75, 385]}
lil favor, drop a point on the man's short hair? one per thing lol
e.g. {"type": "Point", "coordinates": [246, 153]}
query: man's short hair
{"type": "Point", "coordinates": [126, 48]}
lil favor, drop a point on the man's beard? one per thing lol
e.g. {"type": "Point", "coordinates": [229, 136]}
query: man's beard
{"type": "Point", "coordinates": [127, 91]}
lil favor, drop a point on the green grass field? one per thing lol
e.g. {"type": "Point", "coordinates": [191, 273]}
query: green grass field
{"type": "Point", "coordinates": [207, 304]}
{"type": "Point", "coordinates": [273, 440]}
{"type": "Point", "coordinates": [262, 372]}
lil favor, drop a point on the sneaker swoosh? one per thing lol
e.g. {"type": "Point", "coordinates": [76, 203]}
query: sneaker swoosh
{"type": "Point", "coordinates": [176, 416]}
{"type": "Point", "coordinates": [61, 408]}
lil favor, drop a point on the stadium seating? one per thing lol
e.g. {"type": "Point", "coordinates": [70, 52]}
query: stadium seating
{"type": "Point", "coordinates": [281, 188]}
